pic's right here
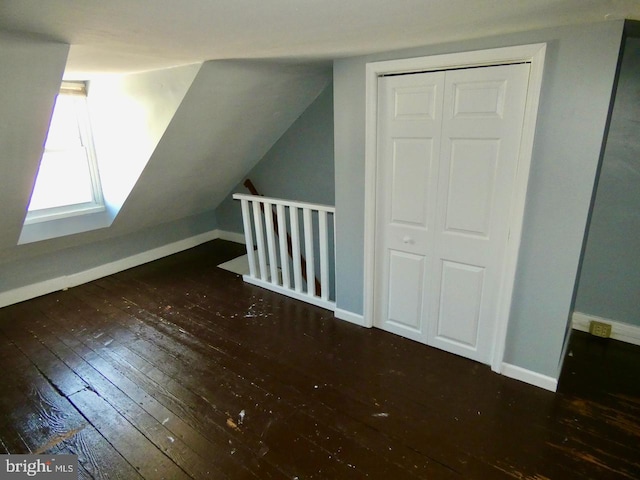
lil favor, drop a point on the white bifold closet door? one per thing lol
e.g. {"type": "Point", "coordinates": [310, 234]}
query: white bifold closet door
{"type": "Point", "coordinates": [448, 147]}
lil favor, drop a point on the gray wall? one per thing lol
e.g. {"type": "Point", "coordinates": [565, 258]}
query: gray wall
{"type": "Point", "coordinates": [610, 279]}
{"type": "Point", "coordinates": [78, 258]}
{"type": "Point", "coordinates": [578, 79]}
{"type": "Point", "coordinates": [298, 167]}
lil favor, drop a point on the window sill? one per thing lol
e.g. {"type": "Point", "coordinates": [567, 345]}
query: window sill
{"type": "Point", "coordinates": [48, 228]}
{"type": "Point", "coordinates": [59, 213]}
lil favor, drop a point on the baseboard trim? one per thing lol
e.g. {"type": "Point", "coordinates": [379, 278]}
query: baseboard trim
{"type": "Point", "coordinates": [529, 376]}
{"type": "Point", "coordinates": [231, 236]}
{"type": "Point", "coordinates": [619, 331]}
{"type": "Point", "coordinates": [68, 281]}
{"type": "Point", "coordinates": [350, 317]}
{"type": "Point", "coordinates": [508, 370]}
{"type": "Point", "coordinates": [318, 302]}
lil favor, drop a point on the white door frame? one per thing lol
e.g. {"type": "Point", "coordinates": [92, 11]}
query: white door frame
{"type": "Point", "coordinates": [534, 54]}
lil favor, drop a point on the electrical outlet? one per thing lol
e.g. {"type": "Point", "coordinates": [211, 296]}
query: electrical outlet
{"type": "Point", "coordinates": [600, 329]}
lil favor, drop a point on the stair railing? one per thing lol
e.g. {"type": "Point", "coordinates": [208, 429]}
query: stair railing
{"type": "Point", "coordinates": [303, 262]}
{"type": "Point", "coordinates": [276, 269]}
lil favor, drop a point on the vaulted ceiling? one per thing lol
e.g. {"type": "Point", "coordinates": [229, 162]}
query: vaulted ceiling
{"type": "Point", "coordinates": [125, 36]}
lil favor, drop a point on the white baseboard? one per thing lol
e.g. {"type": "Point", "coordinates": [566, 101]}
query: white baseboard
{"type": "Point", "coordinates": [619, 331]}
{"type": "Point", "coordinates": [349, 316]}
{"type": "Point", "coordinates": [67, 281]}
{"type": "Point", "coordinates": [529, 376]}
{"type": "Point", "coordinates": [231, 236]}
{"type": "Point", "coordinates": [318, 302]}
{"type": "Point", "coordinates": [508, 370]}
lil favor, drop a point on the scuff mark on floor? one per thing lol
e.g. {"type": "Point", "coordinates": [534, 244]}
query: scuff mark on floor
{"type": "Point", "coordinates": [513, 472]}
{"type": "Point", "coordinates": [592, 459]}
{"type": "Point", "coordinates": [233, 425]}
{"type": "Point", "coordinates": [58, 439]}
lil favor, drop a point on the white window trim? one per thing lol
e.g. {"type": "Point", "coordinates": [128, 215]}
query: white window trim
{"type": "Point", "coordinates": [57, 213]}
{"type": "Point", "coordinates": [97, 204]}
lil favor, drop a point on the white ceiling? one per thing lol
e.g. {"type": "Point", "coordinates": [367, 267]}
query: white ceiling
{"type": "Point", "coordinates": [136, 35]}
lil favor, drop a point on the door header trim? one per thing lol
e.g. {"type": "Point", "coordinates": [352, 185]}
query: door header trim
{"type": "Point", "coordinates": [451, 61]}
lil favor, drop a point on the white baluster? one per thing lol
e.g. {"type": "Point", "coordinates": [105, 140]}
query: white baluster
{"type": "Point", "coordinates": [308, 252]}
{"type": "Point", "coordinates": [284, 253]}
{"type": "Point", "coordinates": [257, 221]}
{"type": "Point", "coordinates": [295, 248]}
{"type": "Point", "coordinates": [271, 243]}
{"type": "Point", "coordinates": [248, 237]}
{"type": "Point", "coordinates": [324, 255]}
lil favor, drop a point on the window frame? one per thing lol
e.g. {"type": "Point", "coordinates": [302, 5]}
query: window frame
{"type": "Point", "coordinates": [97, 204]}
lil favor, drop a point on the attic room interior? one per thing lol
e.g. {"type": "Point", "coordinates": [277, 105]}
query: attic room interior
{"type": "Point", "coordinates": [457, 294]}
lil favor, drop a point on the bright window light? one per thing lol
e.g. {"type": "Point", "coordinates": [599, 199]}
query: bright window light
{"type": "Point", "coordinates": [68, 182]}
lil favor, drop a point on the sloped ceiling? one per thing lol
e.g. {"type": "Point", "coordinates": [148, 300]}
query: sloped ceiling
{"type": "Point", "coordinates": [30, 75]}
{"type": "Point", "coordinates": [129, 116]}
{"type": "Point", "coordinates": [125, 35]}
{"type": "Point", "coordinates": [233, 113]}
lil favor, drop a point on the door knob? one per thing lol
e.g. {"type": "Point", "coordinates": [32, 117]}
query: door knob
{"type": "Point", "coordinates": [408, 240]}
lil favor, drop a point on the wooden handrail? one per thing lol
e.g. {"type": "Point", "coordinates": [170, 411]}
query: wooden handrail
{"type": "Point", "coordinates": [303, 261]}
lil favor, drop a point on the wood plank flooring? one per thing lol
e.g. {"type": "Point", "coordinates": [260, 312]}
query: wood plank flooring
{"type": "Point", "coordinates": [177, 369]}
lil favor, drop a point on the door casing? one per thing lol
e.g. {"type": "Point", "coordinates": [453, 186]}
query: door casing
{"type": "Point", "coordinates": [533, 54]}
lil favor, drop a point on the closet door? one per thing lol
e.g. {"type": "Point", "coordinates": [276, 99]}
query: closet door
{"type": "Point", "coordinates": [410, 125]}
{"type": "Point", "coordinates": [448, 147]}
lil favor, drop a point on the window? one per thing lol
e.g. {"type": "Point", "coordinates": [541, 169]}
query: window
{"type": "Point", "coordinates": [68, 183]}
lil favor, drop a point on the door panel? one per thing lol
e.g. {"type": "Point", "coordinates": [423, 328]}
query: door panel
{"type": "Point", "coordinates": [411, 169]}
{"type": "Point", "coordinates": [460, 300]}
{"type": "Point", "coordinates": [481, 129]}
{"type": "Point", "coordinates": [472, 173]}
{"type": "Point", "coordinates": [409, 140]}
{"type": "Point", "coordinates": [479, 99]}
{"type": "Point", "coordinates": [448, 146]}
{"type": "Point", "coordinates": [406, 271]}
{"type": "Point", "coordinates": [415, 102]}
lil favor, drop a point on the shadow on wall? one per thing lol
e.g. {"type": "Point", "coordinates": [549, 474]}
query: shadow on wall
{"type": "Point", "coordinates": [299, 166]}
{"type": "Point", "coordinates": [609, 285]}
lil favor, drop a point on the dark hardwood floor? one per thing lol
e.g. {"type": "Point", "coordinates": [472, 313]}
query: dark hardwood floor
{"type": "Point", "coordinates": [177, 369]}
